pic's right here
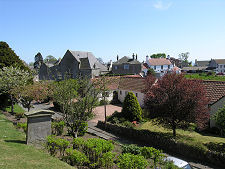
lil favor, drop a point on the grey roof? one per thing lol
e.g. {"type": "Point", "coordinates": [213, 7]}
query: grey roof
{"type": "Point", "coordinates": [203, 63]}
{"type": "Point", "coordinates": [194, 68]}
{"type": "Point", "coordinates": [126, 59]}
{"type": "Point", "coordinates": [87, 60]}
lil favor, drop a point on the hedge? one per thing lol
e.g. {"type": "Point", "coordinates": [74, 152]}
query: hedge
{"type": "Point", "coordinates": [160, 141]}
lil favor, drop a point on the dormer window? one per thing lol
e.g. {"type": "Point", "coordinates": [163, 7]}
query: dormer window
{"type": "Point", "coordinates": [126, 67]}
{"type": "Point", "coordinates": [162, 67]}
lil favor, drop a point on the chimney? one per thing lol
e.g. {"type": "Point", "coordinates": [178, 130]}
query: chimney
{"type": "Point", "coordinates": [196, 62]}
{"type": "Point", "coordinates": [136, 56]}
{"type": "Point", "coordinates": [133, 56]}
{"type": "Point", "coordinates": [117, 57]}
{"type": "Point", "coordinates": [168, 56]}
{"type": "Point", "coordinates": [147, 59]}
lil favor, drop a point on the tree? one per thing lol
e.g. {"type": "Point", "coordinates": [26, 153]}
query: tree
{"type": "Point", "coordinates": [175, 100]}
{"type": "Point", "coordinates": [184, 59]}
{"type": "Point", "coordinates": [158, 55]}
{"type": "Point", "coordinates": [103, 84]}
{"type": "Point", "coordinates": [131, 108]}
{"type": "Point", "coordinates": [12, 78]}
{"type": "Point", "coordinates": [219, 117]}
{"type": "Point", "coordinates": [50, 59]}
{"type": "Point", "coordinates": [9, 58]}
{"type": "Point", "coordinates": [151, 71]}
{"type": "Point", "coordinates": [78, 102]}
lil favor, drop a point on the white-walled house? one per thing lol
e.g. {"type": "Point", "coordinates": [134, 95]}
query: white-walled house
{"type": "Point", "coordinates": [131, 84]}
{"type": "Point", "coordinates": [218, 65]}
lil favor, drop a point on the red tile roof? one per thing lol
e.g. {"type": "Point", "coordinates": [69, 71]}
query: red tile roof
{"type": "Point", "coordinates": [159, 61]}
{"type": "Point", "coordinates": [136, 84]}
{"type": "Point", "coordinates": [215, 90]}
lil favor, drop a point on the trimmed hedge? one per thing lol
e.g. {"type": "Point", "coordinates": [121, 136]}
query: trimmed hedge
{"type": "Point", "coordinates": [161, 141]}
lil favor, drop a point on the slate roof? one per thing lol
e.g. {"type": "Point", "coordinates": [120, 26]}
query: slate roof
{"type": "Point", "coordinates": [203, 63]}
{"type": "Point", "coordinates": [87, 60]}
{"type": "Point", "coordinates": [125, 60]}
{"type": "Point", "coordinates": [215, 90]}
{"type": "Point", "coordinates": [159, 61]}
{"type": "Point", "coordinates": [220, 61]}
{"type": "Point", "coordinates": [136, 84]}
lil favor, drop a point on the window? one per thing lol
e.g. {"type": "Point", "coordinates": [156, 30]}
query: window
{"type": "Point", "coordinates": [126, 66]}
{"type": "Point", "coordinates": [221, 66]}
{"type": "Point", "coordinates": [168, 66]}
{"type": "Point", "coordinates": [120, 92]}
{"type": "Point", "coordinates": [115, 67]}
{"type": "Point", "coordinates": [126, 93]}
{"type": "Point", "coordinates": [136, 94]}
{"type": "Point", "coordinates": [154, 67]}
{"type": "Point", "coordinates": [162, 67]}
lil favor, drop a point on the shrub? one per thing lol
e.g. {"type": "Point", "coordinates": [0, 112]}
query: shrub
{"type": "Point", "coordinates": [23, 126]}
{"type": "Point", "coordinates": [19, 115]}
{"type": "Point", "coordinates": [78, 143]}
{"type": "Point", "coordinates": [102, 102]}
{"type": "Point", "coordinates": [107, 159]}
{"type": "Point", "coordinates": [57, 128]}
{"type": "Point", "coordinates": [131, 108]}
{"type": "Point", "coordinates": [219, 117]}
{"type": "Point", "coordinates": [54, 144]}
{"type": "Point", "coordinates": [82, 129]}
{"type": "Point", "coordinates": [152, 153]}
{"type": "Point", "coordinates": [127, 124]}
{"type": "Point", "coordinates": [131, 161]}
{"type": "Point", "coordinates": [74, 157]}
{"type": "Point", "coordinates": [132, 149]}
{"type": "Point", "coordinates": [217, 147]}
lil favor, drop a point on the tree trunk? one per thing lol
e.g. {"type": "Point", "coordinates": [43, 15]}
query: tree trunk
{"type": "Point", "coordinates": [75, 134]}
{"type": "Point", "coordinates": [174, 130]}
{"type": "Point", "coordinates": [12, 104]}
{"type": "Point", "coordinates": [105, 109]}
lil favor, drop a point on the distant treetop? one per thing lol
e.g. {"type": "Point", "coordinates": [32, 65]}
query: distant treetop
{"type": "Point", "coordinates": [158, 55]}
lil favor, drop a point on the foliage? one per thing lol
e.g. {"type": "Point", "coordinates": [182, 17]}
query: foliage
{"type": "Point", "coordinates": [151, 72]}
{"type": "Point", "coordinates": [107, 159]}
{"type": "Point", "coordinates": [77, 99]}
{"type": "Point", "coordinates": [78, 143]}
{"type": "Point", "coordinates": [131, 148]}
{"type": "Point", "coordinates": [128, 124]}
{"type": "Point", "coordinates": [183, 57]}
{"type": "Point", "coordinates": [176, 100]}
{"type": "Point", "coordinates": [103, 102]}
{"type": "Point", "coordinates": [19, 115]}
{"type": "Point", "coordinates": [23, 126]}
{"type": "Point", "coordinates": [75, 157]}
{"type": "Point", "coordinates": [152, 153]}
{"type": "Point", "coordinates": [17, 109]}
{"type": "Point", "coordinates": [57, 127]}
{"type": "Point", "coordinates": [204, 76]}
{"type": "Point", "coordinates": [12, 78]}
{"type": "Point", "coordinates": [131, 161]}
{"type": "Point", "coordinates": [158, 55]}
{"type": "Point", "coordinates": [54, 144]}
{"type": "Point", "coordinates": [50, 59]}
{"type": "Point", "coordinates": [9, 58]}
{"type": "Point", "coordinates": [131, 108]}
{"type": "Point", "coordinates": [219, 118]}
{"type": "Point", "coordinates": [217, 147]}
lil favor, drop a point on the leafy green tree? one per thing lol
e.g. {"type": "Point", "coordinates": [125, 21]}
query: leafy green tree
{"type": "Point", "coordinates": [11, 78]}
{"type": "Point", "coordinates": [151, 72]}
{"type": "Point", "coordinates": [50, 59]}
{"type": "Point", "coordinates": [158, 55]}
{"type": "Point", "coordinates": [131, 108]}
{"type": "Point", "coordinates": [9, 58]}
{"type": "Point", "coordinates": [183, 57]}
{"type": "Point", "coordinates": [77, 101]}
{"type": "Point", "coordinates": [219, 117]}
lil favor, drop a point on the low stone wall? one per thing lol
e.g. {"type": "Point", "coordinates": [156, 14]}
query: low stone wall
{"type": "Point", "coordinates": [161, 141]}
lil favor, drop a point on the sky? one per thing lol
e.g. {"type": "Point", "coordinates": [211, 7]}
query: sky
{"type": "Point", "coordinates": [110, 27]}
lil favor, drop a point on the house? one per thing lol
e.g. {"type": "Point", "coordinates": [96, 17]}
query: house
{"type": "Point", "coordinates": [127, 65]}
{"type": "Point", "coordinates": [131, 84]}
{"type": "Point", "coordinates": [159, 65]}
{"type": "Point", "coordinates": [73, 64]}
{"type": "Point", "coordinates": [218, 65]}
{"type": "Point", "coordinates": [215, 91]}
{"type": "Point", "coordinates": [202, 63]}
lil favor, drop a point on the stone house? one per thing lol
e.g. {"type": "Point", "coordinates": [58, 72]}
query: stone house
{"type": "Point", "coordinates": [72, 65]}
{"type": "Point", "coordinates": [127, 65]}
{"type": "Point", "coordinates": [218, 65]}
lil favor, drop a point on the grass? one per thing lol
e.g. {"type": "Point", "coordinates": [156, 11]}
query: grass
{"type": "Point", "coordinates": [17, 109]}
{"type": "Point", "coordinates": [16, 154]}
{"type": "Point", "coordinates": [188, 137]}
{"type": "Point", "coordinates": [204, 76]}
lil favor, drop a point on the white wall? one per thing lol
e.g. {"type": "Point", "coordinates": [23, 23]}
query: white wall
{"type": "Point", "coordinates": [140, 96]}
{"type": "Point", "coordinates": [220, 68]}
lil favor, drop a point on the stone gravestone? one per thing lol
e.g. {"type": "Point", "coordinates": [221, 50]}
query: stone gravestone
{"type": "Point", "coordinates": [38, 126]}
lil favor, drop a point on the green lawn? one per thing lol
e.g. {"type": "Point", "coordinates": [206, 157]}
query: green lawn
{"type": "Point", "coordinates": [205, 77]}
{"type": "Point", "coordinates": [14, 153]}
{"type": "Point", "coordinates": [17, 109]}
{"type": "Point", "coordinates": [188, 137]}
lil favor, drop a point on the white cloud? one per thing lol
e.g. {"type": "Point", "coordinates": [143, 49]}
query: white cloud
{"type": "Point", "coordinates": [160, 5]}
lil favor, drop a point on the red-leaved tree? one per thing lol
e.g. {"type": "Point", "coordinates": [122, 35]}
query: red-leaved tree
{"type": "Point", "coordinates": [175, 100]}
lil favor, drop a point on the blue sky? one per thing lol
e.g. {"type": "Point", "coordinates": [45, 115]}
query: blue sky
{"type": "Point", "coordinates": [111, 27]}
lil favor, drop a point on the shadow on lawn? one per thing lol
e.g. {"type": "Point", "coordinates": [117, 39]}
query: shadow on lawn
{"type": "Point", "coordinates": [16, 141]}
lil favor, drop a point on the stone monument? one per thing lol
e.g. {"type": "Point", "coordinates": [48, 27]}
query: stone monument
{"type": "Point", "coordinates": [38, 126]}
